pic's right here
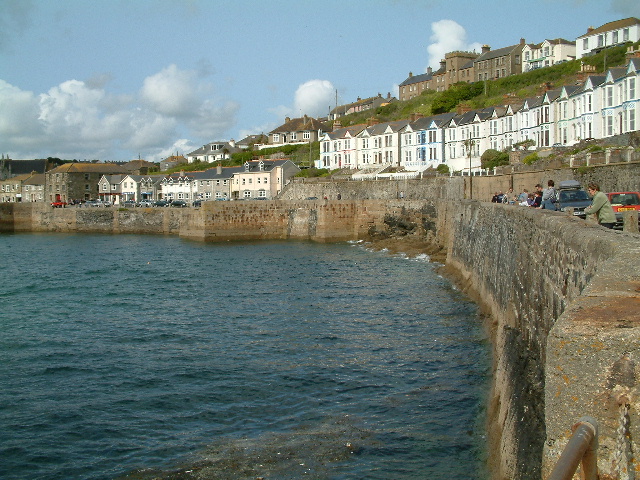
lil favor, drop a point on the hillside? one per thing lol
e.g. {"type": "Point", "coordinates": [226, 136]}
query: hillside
{"type": "Point", "coordinates": [492, 92]}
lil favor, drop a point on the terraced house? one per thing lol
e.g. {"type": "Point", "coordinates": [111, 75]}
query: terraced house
{"type": "Point", "coordinates": [602, 106]}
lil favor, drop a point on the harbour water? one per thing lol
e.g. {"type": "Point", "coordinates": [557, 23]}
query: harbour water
{"type": "Point", "coordinates": [154, 357]}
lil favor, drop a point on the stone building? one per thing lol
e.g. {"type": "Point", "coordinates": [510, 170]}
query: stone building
{"type": "Point", "coordinates": [77, 181]}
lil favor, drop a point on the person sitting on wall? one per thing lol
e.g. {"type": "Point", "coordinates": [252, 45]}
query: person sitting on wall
{"type": "Point", "coordinates": [600, 206]}
{"type": "Point", "coordinates": [537, 199]}
{"type": "Point", "coordinates": [549, 196]}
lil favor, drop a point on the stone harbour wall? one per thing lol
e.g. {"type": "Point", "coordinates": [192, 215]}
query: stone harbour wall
{"type": "Point", "coordinates": [562, 297]}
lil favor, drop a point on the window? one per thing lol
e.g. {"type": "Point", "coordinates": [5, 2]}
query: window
{"type": "Point", "coordinates": [632, 119]}
{"type": "Point", "coordinates": [614, 37]}
{"type": "Point", "coordinates": [632, 88]}
{"type": "Point", "coordinates": [262, 194]}
{"type": "Point", "coordinates": [306, 135]}
{"type": "Point", "coordinates": [294, 135]}
{"type": "Point", "coordinates": [276, 137]}
{"type": "Point", "coordinates": [625, 35]}
{"type": "Point", "coordinates": [247, 194]}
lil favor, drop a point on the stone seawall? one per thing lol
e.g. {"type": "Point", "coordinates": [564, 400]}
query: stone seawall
{"type": "Point", "coordinates": [563, 294]}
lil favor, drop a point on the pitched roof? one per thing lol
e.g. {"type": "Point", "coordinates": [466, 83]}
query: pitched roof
{"type": "Point", "coordinates": [302, 124]}
{"type": "Point", "coordinates": [37, 179]}
{"type": "Point", "coordinates": [424, 77]}
{"type": "Point", "coordinates": [607, 27]}
{"type": "Point", "coordinates": [501, 52]}
{"type": "Point", "coordinates": [81, 167]}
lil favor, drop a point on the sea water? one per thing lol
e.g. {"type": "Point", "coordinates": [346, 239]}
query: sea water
{"type": "Point", "coordinates": [155, 357]}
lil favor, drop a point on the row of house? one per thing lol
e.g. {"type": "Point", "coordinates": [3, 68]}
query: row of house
{"type": "Point", "coordinates": [523, 57]}
{"type": "Point", "coordinates": [601, 106]}
{"type": "Point", "coordinates": [259, 179]}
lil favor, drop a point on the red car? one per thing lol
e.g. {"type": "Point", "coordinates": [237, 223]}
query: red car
{"type": "Point", "coordinates": [623, 201]}
{"type": "Point", "coordinates": [59, 204]}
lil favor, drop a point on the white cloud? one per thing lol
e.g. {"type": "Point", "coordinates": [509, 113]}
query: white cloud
{"type": "Point", "coordinates": [84, 120]}
{"type": "Point", "coordinates": [171, 92]}
{"type": "Point", "coordinates": [447, 36]}
{"type": "Point", "coordinates": [314, 98]}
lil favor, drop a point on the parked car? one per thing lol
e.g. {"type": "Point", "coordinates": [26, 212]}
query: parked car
{"type": "Point", "coordinates": [160, 203]}
{"type": "Point", "coordinates": [96, 203]}
{"type": "Point", "coordinates": [58, 204]}
{"type": "Point", "coordinates": [178, 203]}
{"type": "Point", "coordinates": [622, 202]}
{"type": "Point", "coordinates": [197, 203]}
{"type": "Point", "coordinates": [128, 204]}
{"type": "Point", "coordinates": [571, 195]}
{"type": "Point", "coordinates": [145, 203]}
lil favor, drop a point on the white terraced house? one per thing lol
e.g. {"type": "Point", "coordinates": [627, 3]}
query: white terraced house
{"type": "Point", "coordinates": [602, 106]}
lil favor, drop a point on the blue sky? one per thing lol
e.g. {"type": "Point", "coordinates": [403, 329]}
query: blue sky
{"type": "Point", "coordinates": [114, 79]}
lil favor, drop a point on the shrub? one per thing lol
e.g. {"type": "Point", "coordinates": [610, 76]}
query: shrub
{"type": "Point", "coordinates": [443, 169]}
{"type": "Point", "coordinates": [493, 158]}
{"type": "Point", "coordinates": [531, 158]}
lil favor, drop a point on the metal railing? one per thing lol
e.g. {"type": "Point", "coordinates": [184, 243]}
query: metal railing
{"type": "Point", "coordinates": [582, 449]}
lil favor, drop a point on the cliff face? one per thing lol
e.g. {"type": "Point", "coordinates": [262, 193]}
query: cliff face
{"type": "Point", "coordinates": [563, 297]}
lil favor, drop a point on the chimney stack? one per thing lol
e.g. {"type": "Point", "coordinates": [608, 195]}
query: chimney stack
{"type": "Point", "coordinates": [219, 169]}
{"type": "Point", "coordinates": [485, 48]}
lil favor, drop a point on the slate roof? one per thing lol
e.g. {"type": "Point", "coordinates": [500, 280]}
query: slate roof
{"type": "Point", "coordinates": [607, 27]}
{"type": "Point", "coordinates": [342, 132]}
{"type": "Point", "coordinates": [500, 52]}
{"type": "Point", "coordinates": [212, 173]}
{"type": "Point", "coordinates": [18, 167]}
{"type": "Point", "coordinates": [302, 124]}
{"type": "Point", "coordinates": [207, 151]}
{"type": "Point", "coordinates": [424, 77]}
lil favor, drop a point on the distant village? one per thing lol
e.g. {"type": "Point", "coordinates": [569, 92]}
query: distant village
{"type": "Point", "coordinates": [600, 106]}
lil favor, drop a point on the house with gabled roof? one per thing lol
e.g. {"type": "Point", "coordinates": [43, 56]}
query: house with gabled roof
{"type": "Point", "coordinates": [33, 188]}
{"type": "Point", "coordinates": [381, 143]}
{"type": "Point", "coordinates": [262, 179]}
{"type": "Point", "coordinates": [414, 85]}
{"type": "Point", "coordinates": [631, 97]}
{"type": "Point", "coordinates": [585, 107]}
{"type": "Point", "coordinates": [608, 35]}
{"type": "Point", "coordinates": [215, 183]}
{"type": "Point", "coordinates": [213, 152]}
{"type": "Point", "coordinates": [547, 53]}
{"type": "Point", "coordinates": [297, 130]}
{"type": "Point", "coordinates": [110, 188]}
{"type": "Point", "coordinates": [612, 99]}
{"type": "Point", "coordinates": [493, 64]}
{"type": "Point", "coordinates": [338, 148]}
{"type": "Point", "coordinates": [422, 142]}
{"type": "Point", "coordinates": [26, 187]}
{"type": "Point", "coordinates": [563, 114]}
{"type": "Point", "coordinates": [178, 186]}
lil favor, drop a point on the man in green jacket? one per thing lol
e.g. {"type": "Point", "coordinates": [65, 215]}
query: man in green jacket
{"type": "Point", "coordinates": [600, 206]}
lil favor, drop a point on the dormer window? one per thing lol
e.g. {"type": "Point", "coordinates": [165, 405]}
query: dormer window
{"type": "Point", "coordinates": [261, 166]}
{"type": "Point", "coordinates": [246, 166]}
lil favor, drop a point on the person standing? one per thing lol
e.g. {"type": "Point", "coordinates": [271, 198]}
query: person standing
{"type": "Point", "coordinates": [600, 206]}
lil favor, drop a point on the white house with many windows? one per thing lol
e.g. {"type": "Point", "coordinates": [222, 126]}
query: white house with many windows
{"type": "Point", "coordinates": [338, 149]}
{"type": "Point", "coordinates": [602, 106]}
{"type": "Point", "coordinates": [547, 53]}
{"type": "Point", "coordinates": [608, 35]}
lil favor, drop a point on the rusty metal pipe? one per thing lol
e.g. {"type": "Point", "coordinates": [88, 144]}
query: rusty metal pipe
{"type": "Point", "coordinates": [582, 449]}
